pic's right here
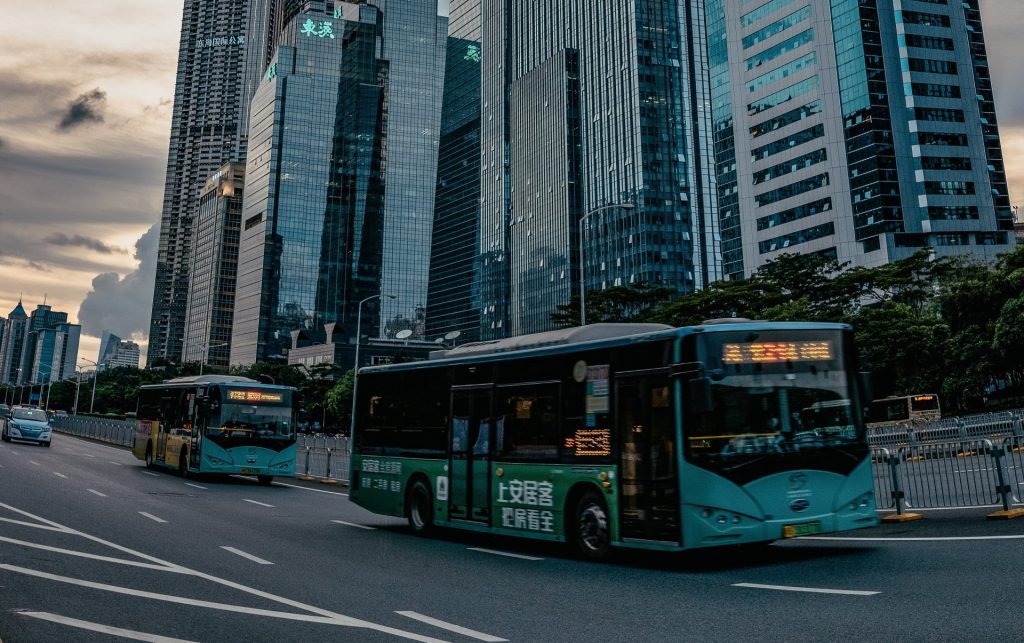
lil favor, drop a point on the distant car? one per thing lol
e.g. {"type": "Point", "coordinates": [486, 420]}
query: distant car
{"type": "Point", "coordinates": [5, 411]}
{"type": "Point", "coordinates": [27, 423]}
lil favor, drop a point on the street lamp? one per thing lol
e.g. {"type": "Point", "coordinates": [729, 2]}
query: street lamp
{"type": "Point", "coordinates": [583, 289]}
{"type": "Point", "coordinates": [355, 374]}
{"type": "Point", "coordinates": [95, 380]}
{"type": "Point", "coordinates": [206, 351]}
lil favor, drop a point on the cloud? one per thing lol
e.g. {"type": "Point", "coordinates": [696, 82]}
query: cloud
{"type": "Point", "coordinates": [87, 107]}
{"type": "Point", "coordinates": [123, 306]}
{"type": "Point", "coordinates": [61, 239]}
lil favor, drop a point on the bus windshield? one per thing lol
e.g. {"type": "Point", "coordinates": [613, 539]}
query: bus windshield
{"type": "Point", "coordinates": [778, 399]}
{"type": "Point", "coordinates": [243, 414]}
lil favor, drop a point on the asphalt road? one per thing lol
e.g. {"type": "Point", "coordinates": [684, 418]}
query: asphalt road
{"type": "Point", "coordinates": [95, 548]}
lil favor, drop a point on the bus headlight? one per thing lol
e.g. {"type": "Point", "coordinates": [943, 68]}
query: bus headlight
{"type": "Point", "coordinates": [216, 461]}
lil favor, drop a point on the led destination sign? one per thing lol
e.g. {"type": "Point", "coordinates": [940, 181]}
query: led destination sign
{"type": "Point", "coordinates": [255, 397]}
{"type": "Point", "coordinates": [776, 352]}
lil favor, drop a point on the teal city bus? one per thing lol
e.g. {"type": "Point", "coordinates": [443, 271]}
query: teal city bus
{"type": "Point", "coordinates": [217, 424]}
{"type": "Point", "coordinates": [628, 435]}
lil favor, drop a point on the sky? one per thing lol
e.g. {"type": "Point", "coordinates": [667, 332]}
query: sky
{"type": "Point", "coordinates": [86, 92]}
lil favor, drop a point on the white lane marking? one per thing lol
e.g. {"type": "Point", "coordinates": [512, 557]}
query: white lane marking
{"type": "Point", "coordinates": [30, 524]}
{"type": "Point", "coordinates": [295, 486]}
{"type": "Point", "coordinates": [257, 502]}
{"type": "Point", "coordinates": [458, 629]}
{"type": "Point", "coordinates": [239, 552]}
{"type": "Point", "coordinates": [103, 629]}
{"type": "Point", "coordinates": [60, 475]}
{"type": "Point", "coordinates": [503, 553]}
{"type": "Point", "coordinates": [152, 517]}
{"type": "Point", "coordinates": [34, 462]}
{"type": "Point", "coordinates": [813, 590]}
{"type": "Point", "coordinates": [327, 616]}
{"type": "Point", "coordinates": [116, 464]}
{"type": "Point", "coordinates": [197, 486]}
{"type": "Point", "coordinates": [82, 554]}
{"type": "Point", "coordinates": [918, 538]}
{"type": "Point", "coordinates": [150, 473]}
{"type": "Point", "coordinates": [352, 524]}
{"type": "Point", "coordinates": [101, 495]}
{"type": "Point", "coordinates": [88, 455]}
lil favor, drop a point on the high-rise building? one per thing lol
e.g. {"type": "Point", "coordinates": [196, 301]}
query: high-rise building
{"type": "Point", "coordinates": [573, 125]}
{"type": "Point", "coordinates": [861, 129]}
{"type": "Point", "coordinates": [211, 292]}
{"type": "Point", "coordinates": [55, 353]}
{"type": "Point", "coordinates": [205, 134]}
{"type": "Point", "coordinates": [115, 352]}
{"type": "Point", "coordinates": [12, 346]}
{"type": "Point", "coordinates": [339, 185]}
{"type": "Point", "coordinates": [453, 302]}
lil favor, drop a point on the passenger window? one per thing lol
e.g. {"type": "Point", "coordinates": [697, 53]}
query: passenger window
{"type": "Point", "coordinates": [530, 423]}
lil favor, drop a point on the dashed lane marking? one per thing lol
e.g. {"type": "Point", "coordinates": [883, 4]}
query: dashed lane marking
{"type": "Point", "coordinates": [239, 552]}
{"type": "Point", "coordinates": [812, 590]}
{"type": "Point", "coordinates": [352, 524]}
{"type": "Point", "coordinates": [103, 629]}
{"type": "Point", "coordinates": [34, 462]}
{"type": "Point", "coordinates": [295, 486]}
{"type": "Point", "coordinates": [458, 629]}
{"type": "Point", "coordinates": [60, 475]}
{"type": "Point", "coordinates": [116, 464]}
{"type": "Point", "coordinates": [101, 495]}
{"type": "Point", "coordinates": [192, 484]}
{"type": "Point", "coordinates": [152, 517]}
{"type": "Point", "coordinates": [257, 502]}
{"type": "Point", "coordinates": [150, 473]}
{"type": "Point", "coordinates": [503, 553]}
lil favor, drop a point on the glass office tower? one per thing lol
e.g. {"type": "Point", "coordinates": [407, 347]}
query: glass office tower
{"type": "Point", "coordinates": [585, 105]}
{"type": "Point", "coordinates": [453, 300]}
{"type": "Point", "coordinates": [204, 136]}
{"type": "Point", "coordinates": [340, 177]}
{"type": "Point", "coordinates": [862, 129]}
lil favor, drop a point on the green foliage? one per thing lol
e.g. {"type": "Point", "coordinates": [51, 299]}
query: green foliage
{"type": "Point", "coordinates": [617, 304]}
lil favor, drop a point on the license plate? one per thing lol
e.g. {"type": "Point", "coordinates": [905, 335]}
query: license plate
{"type": "Point", "coordinates": [249, 470]}
{"type": "Point", "coordinates": [806, 529]}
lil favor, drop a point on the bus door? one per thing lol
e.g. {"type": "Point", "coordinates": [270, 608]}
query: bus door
{"type": "Point", "coordinates": [169, 416]}
{"type": "Point", "coordinates": [469, 464]}
{"type": "Point", "coordinates": [649, 471]}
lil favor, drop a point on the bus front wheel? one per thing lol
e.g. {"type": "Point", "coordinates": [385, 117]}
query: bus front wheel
{"type": "Point", "coordinates": [265, 480]}
{"type": "Point", "coordinates": [149, 456]}
{"type": "Point", "coordinates": [419, 509]}
{"type": "Point", "coordinates": [590, 530]}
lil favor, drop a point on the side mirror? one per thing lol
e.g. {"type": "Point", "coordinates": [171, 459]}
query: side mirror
{"type": "Point", "coordinates": [699, 397]}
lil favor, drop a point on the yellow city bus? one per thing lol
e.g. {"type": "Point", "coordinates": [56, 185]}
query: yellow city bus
{"type": "Point", "coordinates": [904, 408]}
{"type": "Point", "coordinates": [217, 424]}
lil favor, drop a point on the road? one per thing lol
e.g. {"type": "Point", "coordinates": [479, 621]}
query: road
{"type": "Point", "coordinates": [93, 547]}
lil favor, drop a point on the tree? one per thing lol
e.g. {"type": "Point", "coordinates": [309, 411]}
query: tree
{"type": "Point", "coordinates": [339, 399]}
{"type": "Point", "coordinates": [617, 304]}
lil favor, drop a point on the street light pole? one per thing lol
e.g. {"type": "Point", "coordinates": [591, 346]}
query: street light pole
{"type": "Point", "coordinates": [355, 374]}
{"type": "Point", "coordinates": [95, 380]}
{"type": "Point", "coordinates": [583, 287]}
{"type": "Point", "coordinates": [78, 385]}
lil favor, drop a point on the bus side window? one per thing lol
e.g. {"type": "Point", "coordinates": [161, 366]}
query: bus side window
{"type": "Point", "coordinates": [532, 424]}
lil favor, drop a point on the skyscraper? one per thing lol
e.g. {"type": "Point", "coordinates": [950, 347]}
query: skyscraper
{"type": "Point", "coordinates": [211, 292]}
{"type": "Point", "coordinates": [861, 129]}
{"type": "Point", "coordinates": [340, 176]}
{"type": "Point", "coordinates": [204, 135]}
{"type": "Point", "coordinates": [12, 345]}
{"type": "Point", "coordinates": [574, 124]}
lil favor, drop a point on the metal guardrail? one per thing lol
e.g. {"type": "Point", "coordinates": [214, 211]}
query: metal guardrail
{"type": "Point", "coordinates": [952, 474]}
{"type": "Point", "coordinates": [982, 425]}
{"type": "Point", "coordinates": [120, 432]}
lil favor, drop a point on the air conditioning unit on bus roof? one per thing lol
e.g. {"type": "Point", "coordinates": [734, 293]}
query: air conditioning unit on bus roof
{"type": "Point", "coordinates": [562, 336]}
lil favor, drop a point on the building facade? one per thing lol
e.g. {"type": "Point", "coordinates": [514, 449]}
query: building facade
{"type": "Point", "coordinates": [12, 346]}
{"type": "Point", "coordinates": [212, 276]}
{"type": "Point", "coordinates": [860, 129]}
{"type": "Point", "coordinates": [205, 134]}
{"type": "Point", "coordinates": [453, 300]}
{"type": "Point", "coordinates": [116, 352]}
{"type": "Point", "coordinates": [55, 353]}
{"type": "Point", "coordinates": [340, 177]}
{"type": "Point", "coordinates": [570, 124]}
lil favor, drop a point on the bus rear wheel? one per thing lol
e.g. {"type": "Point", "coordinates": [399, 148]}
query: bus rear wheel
{"type": "Point", "coordinates": [183, 463]}
{"type": "Point", "coordinates": [419, 509]}
{"type": "Point", "coordinates": [149, 456]}
{"type": "Point", "coordinates": [265, 480]}
{"type": "Point", "coordinates": [590, 531]}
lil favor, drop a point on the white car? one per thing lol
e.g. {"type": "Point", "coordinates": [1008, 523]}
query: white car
{"type": "Point", "coordinates": [27, 423]}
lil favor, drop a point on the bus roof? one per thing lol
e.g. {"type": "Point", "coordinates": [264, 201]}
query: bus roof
{"type": "Point", "coordinates": [194, 380]}
{"type": "Point", "coordinates": [591, 336]}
